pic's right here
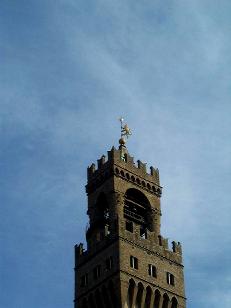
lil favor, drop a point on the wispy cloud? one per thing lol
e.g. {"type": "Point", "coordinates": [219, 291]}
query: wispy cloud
{"type": "Point", "coordinates": [68, 71]}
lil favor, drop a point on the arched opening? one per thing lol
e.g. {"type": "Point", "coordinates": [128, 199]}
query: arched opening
{"type": "Point", "coordinates": [91, 301]}
{"type": "Point", "coordinates": [84, 303]}
{"type": "Point", "coordinates": [100, 222]}
{"type": "Point", "coordinates": [157, 299]}
{"type": "Point", "coordinates": [148, 298]}
{"type": "Point", "coordinates": [139, 295]}
{"type": "Point", "coordinates": [106, 297]}
{"type": "Point", "coordinates": [130, 293]}
{"type": "Point", "coordinates": [165, 301]}
{"type": "Point", "coordinates": [137, 209]}
{"type": "Point", "coordinates": [112, 293]}
{"type": "Point", "coordinates": [102, 208]}
{"type": "Point", "coordinates": [174, 303]}
{"type": "Point", "coordinates": [98, 299]}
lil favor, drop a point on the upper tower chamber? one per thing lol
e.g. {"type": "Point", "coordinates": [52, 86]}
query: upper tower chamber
{"type": "Point", "coordinates": [127, 262]}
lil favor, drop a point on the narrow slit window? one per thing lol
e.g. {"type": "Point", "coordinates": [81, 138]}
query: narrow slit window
{"type": "Point", "coordinates": [97, 272]}
{"type": "Point", "coordinates": [152, 270]}
{"type": "Point", "coordinates": [109, 263]}
{"type": "Point", "coordinates": [133, 262]}
{"type": "Point", "coordinates": [170, 279]}
{"type": "Point", "coordinates": [84, 280]}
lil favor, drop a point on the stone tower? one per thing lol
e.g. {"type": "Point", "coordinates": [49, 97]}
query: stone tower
{"type": "Point", "coordinates": [127, 262]}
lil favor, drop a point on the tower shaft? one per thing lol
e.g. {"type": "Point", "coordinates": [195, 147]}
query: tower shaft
{"type": "Point", "coordinates": [127, 262]}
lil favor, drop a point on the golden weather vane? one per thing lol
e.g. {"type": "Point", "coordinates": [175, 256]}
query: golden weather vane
{"type": "Point", "coordinates": [125, 131]}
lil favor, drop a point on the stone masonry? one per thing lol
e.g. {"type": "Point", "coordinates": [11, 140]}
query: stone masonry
{"type": "Point", "coordinates": [127, 263]}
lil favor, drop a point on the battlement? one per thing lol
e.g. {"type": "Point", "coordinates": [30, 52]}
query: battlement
{"type": "Point", "coordinates": [121, 158]}
{"type": "Point", "coordinates": [176, 246]}
{"type": "Point", "coordinates": [173, 254]}
{"type": "Point", "coordinates": [82, 255]}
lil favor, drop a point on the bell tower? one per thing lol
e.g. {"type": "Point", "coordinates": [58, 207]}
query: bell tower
{"type": "Point", "coordinates": [127, 263]}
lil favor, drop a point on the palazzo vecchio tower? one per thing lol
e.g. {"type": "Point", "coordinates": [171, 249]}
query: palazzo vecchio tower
{"type": "Point", "coordinates": [127, 262]}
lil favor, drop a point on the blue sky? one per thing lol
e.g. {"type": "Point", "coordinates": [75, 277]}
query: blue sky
{"type": "Point", "coordinates": [68, 70]}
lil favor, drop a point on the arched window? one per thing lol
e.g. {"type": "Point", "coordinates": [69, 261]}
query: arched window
{"type": "Point", "coordinates": [102, 209]}
{"type": "Point", "coordinates": [98, 299]}
{"type": "Point", "coordinates": [92, 301]}
{"type": "Point", "coordinates": [113, 295]}
{"type": "Point", "coordinates": [100, 219]}
{"type": "Point", "coordinates": [148, 298]}
{"type": "Point", "coordinates": [174, 303]}
{"type": "Point", "coordinates": [85, 304]}
{"type": "Point", "coordinates": [137, 208]}
{"type": "Point", "coordinates": [165, 301]}
{"type": "Point", "coordinates": [106, 296]}
{"type": "Point", "coordinates": [139, 295]}
{"type": "Point", "coordinates": [130, 293]}
{"type": "Point", "coordinates": [157, 299]}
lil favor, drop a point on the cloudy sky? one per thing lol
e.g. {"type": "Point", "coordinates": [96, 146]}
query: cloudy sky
{"type": "Point", "coordinates": [68, 70]}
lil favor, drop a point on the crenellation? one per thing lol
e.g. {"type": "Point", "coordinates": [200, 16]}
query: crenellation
{"type": "Point", "coordinates": [101, 161]}
{"type": "Point", "coordinates": [90, 171]}
{"type": "Point", "coordinates": [155, 173]}
{"type": "Point", "coordinates": [165, 243]}
{"type": "Point", "coordinates": [92, 250]}
{"type": "Point", "coordinates": [131, 160]}
{"type": "Point", "coordinates": [160, 238]}
{"type": "Point", "coordinates": [176, 247]}
{"type": "Point", "coordinates": [126, 169]}
{"type": "Point", "coordinates": [152, 170]}
{"type": "Point", "coordinates": [114, 154]}
{"type": "Point", "coordinates": [121, 156]}
{"type": "Point", "coordinates": [171, 255]}
{"type": "Point", "coordinates": [79, 252]}
{"type": "Point", "coordinates": [141, 166]}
